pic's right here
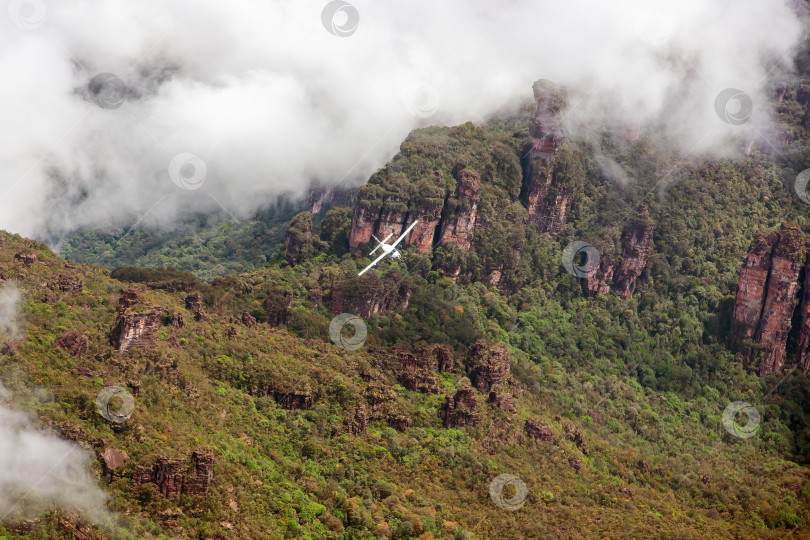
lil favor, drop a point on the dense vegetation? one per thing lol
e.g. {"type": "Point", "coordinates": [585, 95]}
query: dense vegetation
{"type": "Point", "coordinates": [644, 381]}
{"type": "Point", "coordinates": [209, 247]}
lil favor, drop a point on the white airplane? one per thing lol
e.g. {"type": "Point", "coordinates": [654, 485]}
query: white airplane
{"type": "Point", "coordinates": [388, 249]}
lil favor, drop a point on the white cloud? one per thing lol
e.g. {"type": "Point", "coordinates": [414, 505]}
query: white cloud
{"type": "Point", "coordinates": [38, 470]}
{"type": "Point", "coordinates": [270, 100]}
{"type": "Point", "coordinates": [9, 317]}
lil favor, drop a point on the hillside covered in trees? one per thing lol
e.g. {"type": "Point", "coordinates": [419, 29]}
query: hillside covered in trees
{"type": "Point", "coordinates": [604, 392]}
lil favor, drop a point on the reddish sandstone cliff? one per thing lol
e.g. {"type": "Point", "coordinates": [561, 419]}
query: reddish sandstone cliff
{"type": "Point", "coordinates": [767, 297]}
{"type": "Point", "coordinates": [782, 287]}
{"type": "Point", "coordinates": [636, 246]}
{"type": "Point", "coordinates": [173, 477]}
{"type": "Point", "coordinates": [370, 294]}
{"type": "Point", "coordinates": [804, 330]}
{"type": "Point", "coordinates": [621, 275]}
{"type": "Point", "coordinates": [460, 183]}
{"type": "Point", "coordinates": [487, 364]}
{"type": "Point", "coordinates": [461, 409]}
{"type": "Point", "coordinates": [364, 222]}
{"type": "Point", "coordinates": [547, 132]}
{"type": "Point", "coordinates": [458, 223]}
{"type": "Point", "coordinates": [751, 288]}
{"type": "Point", "coordinates": [137, 323]}
{"type": "Point", "coordinates": [548, 198]}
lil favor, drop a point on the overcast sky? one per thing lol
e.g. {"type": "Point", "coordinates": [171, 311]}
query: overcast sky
{"type": "Point", "coordinates": [213, 104]}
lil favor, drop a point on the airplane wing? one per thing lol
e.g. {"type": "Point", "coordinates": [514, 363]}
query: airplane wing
{"type": "Point", "coordinates": [379, 245]}
{"type": "Point", "coordinates": [405, 233]}
{"type": "Point", "coordinates": [378, 259]}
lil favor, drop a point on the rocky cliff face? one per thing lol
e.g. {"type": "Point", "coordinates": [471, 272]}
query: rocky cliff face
{"type": "Point", "coordinates": [416, 370]}
{"type": "Point", "coordinates": [461, 409]}
{"type": "Point", "coordinates": [448, 201]}
{"type": "Point", "coordinates": [782, 288]}
{"type": "Point", "coordinates": [548, 198]}
{"type": "Point", "coordinates": [547, 131]}
{"type": "Point", "coordinates": [487, 364]}
{"type": "Point", "coordinates": [804, 330]}
{"type": "Point", "coordinates": [622, 277]}
{"type": "Point", "coordinates": [370, 294]}
{"type": "Point", "coordinates": [429, 214]}
{"type": "Point", "coordinates": [364, 223]}
{"type": "Point", "coordinates": [137, 324]}
{"type": "Point", "coordinates": [458, 224]}
{"type": "Point", "coordinates": [803, 97]}
{"type": "Point", "coordinates": [538, 431]}
{"type": "Point", "coordinates": [751, 288]}
{"type": "Point", "coordinates": [73, 342]}
{"type": "Point", "coordinates": [767, 297]}
{"type": "Point", "coordinates": [174, 477]}
{"type": "Point", "coordinates": [438, 222]}
{"type": "Point", "coordinates": [636, 244]}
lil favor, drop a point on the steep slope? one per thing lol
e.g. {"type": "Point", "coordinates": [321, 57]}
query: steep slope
{"type": "Point", "coordinates": [612, 411]}
{"type": "Point", "coordinates": [241, 429]}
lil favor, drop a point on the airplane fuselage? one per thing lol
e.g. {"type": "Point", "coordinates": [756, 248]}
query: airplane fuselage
{"type": "Point", "coordinates": [389, 249]}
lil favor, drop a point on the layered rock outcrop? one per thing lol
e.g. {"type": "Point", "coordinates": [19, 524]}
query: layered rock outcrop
{"type": "Point", "coordinates": [442, 218]}
{"type": "Point", "coordinates": [370, 294]}
{"type": "Point", "coordinates": [487, 364]}
{"type": "Point", "coordinates": [505, 402]}
{"type": "Point", "coordinates": [548, 195]}
{"type": "Point", "coordinates": [73, 342]}
{"type": "Point", "coordinates": [26, 258]}
{"type": "Point", "coordinates": [538, 431]}
{"type": "Point", "coordinates": [461, 409]}
{"type": "Point", "coordinates": [195, 305]}
{"type": "Point", "coordinates": [460, 215]}
{"type": "Point", "coordinates": [547, 132]}
{"type": "Point", "coordinates": [357, 420]}
{"type": "Point", "coordinates": [298, 400]}
{"type": "Point", "coordinates": [622, 274]}
{"type": "Point", "coordinates": [174, 477]}
{"type": "Point", "coordinates": [767, 296]}
{"type": "Point", "coordinates": [803, 349]}
{"type": "Point", "coordinates": [416, 370]}
{"type": "Point", "coordinates": [449, 207]}
{"type": "Point", "coordinates": [137, 323]}
{"type": "Point", "coordinates": [113, 459]}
